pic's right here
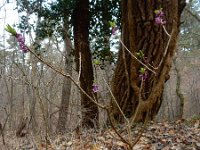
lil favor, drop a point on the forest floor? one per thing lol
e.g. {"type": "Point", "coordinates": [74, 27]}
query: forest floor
{"type": "Point", "coordinates": [178, 135]}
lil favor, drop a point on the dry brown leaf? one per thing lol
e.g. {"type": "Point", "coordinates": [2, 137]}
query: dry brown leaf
{"type": "Point", "coordinates": [171, 131]}
{"type": "Point", "coordinates": [196, 125]}
{"type": "Point", "coordinates": [96, 147]}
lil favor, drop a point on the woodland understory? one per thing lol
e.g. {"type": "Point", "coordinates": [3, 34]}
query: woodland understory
{"type": "Point", "coordinates": [100, 75]}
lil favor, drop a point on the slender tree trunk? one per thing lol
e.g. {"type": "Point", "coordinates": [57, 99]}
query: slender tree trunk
{"type": "Point", "coordinates": [33, 87]}
{"type": "Point", "coordinates": [66, 89]}
{"type": "Point", "coordinates": [82, 51]}
{"type": "Point", "coordinates": [139, 32]}
{"type": "Point", "coordinates": [33, 97]}
{"type": "Point", "coordinates": [178, 89]}
{"type": "Point", "coordinates": [34, 78]}
{"type": "Point", "coordinates": [11, 98]}
{"type": "Point", "coordinates": [23, 94]}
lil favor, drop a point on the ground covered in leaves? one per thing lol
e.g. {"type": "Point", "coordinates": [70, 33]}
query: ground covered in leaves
{"type": "Point", "coordinates": [177, 135]}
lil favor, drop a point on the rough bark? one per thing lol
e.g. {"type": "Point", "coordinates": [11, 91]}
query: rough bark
{"type": "Point", "coordinates": [139, 32]}
{"type": "Point", "coordinates": [82, 50]}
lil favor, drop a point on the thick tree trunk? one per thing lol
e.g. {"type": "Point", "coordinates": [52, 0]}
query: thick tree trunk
{"type": "Point", "coordinates": [82, 51]}
{"type": "Point", "coordinates": [139, 32]}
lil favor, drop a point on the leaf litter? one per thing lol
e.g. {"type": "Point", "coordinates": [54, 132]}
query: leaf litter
{"type": "Point", "coordinates": [176, 135]}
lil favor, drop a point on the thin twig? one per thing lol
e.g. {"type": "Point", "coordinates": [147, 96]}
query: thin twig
{"type": "Point", "coordinates": [169, 35]}
{"type": "Point", "coordinates": [136, 57]}
{"type": "Point", "coordinates": [122, 113]}
{"type": "Point", "coordinates": [141, 131]}
{"type": "Point", "coordinates": [167, 46]}
{"type": "Point", "coordinates": [67, 76]}
{"type": "Point", "coordinates": [193, 14]}
{"type": "Point", "coordinates": [114, 128]}
{"type": "Point", "coordinates": [139, 103]}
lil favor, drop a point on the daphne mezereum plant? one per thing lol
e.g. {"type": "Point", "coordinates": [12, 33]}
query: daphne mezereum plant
{"type": "Point", "coordinates": [20, 38]}
{"type": "Point", "coordinates": [142, 72]}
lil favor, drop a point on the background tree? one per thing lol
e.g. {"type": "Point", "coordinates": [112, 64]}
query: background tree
{"type": "Point", "coordinates": [56, 20]}
{"type": "Point", "coordinates": [102, 12]}
{"type": "Point", "coordinates": [179, 101]}
{"type": "Point", "coordinates": [84, 60]}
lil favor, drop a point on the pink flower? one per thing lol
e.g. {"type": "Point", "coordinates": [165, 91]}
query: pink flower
{"type": "Point", "coordinates": [114, 30]}
{"type": "Point", "coordinates": [23, 47]}
{"type": "Point", "coordinates": [95, 88]}
{"type": "Point", "coordinates": [143, 76]}
{"type": "Point", "coordinates": [21, 42]}
{"type": "Point", "coordinates": [160, 21]}
{"type": "Point", "coordinates": [160, 17]}
{"type": "Point", "coordinates": [20, 38]}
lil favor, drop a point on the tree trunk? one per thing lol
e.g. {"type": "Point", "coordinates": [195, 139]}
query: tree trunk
{"type": "Point", "coordinates": [178, 89]}
{"type": "Point", "coordinates": [66, 89]}
{"type": "Point", "coordinates": [10, 89]}
{"type": "Point", "coordinates": [139, 32]}
{"type": "Point", "coordinates": [33, 97]}
{"type": "Point", "coordinates": [82, 51]}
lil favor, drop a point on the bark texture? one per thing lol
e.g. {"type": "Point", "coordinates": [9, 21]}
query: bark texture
{"type": "Point", "coordinates": [139, 32]}
{"type": "Point", "coordinates": [82, 51]}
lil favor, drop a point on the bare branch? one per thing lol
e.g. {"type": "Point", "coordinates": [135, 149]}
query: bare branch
{"type": "Point", "coordinates": [193, 14]}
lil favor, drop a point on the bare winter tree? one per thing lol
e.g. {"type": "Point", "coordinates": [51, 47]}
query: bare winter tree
{"type": "Point", "coordinates": [66, 89]}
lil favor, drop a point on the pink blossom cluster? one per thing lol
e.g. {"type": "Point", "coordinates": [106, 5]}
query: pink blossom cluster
{"type": "Point", "coordinates": [143, 76]}
{"type": "Point", "coordinates": [95, 88]}
{"type": "Point", "coordinates": [114, 30]}
{"type": "Point", "coordinates": [21, 41]}
{"type": "Point", "coordinates": [160, 17]}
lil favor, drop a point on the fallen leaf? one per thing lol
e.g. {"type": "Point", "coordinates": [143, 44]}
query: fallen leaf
{"type": "Point", "coordinates": [196, 125]}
